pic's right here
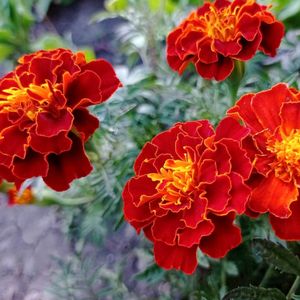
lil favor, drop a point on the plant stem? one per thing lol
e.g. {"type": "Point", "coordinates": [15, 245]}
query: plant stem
{"type": "Point", "coordinates": [293, 288]}
{"type": "Point", "coordinates": [266, 276]}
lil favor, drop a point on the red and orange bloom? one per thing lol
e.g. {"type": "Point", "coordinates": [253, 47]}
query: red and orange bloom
{"type": "Point", "coordinates": [16, 197]}
{"type": "Point", "coordinates": [273, 116]}
{"type": "Point", "coordinates": [44, 120]}
{"type": "Point", "coordinates": [216, 34]}
{"type": "Point", "coordinates": [187, 189]}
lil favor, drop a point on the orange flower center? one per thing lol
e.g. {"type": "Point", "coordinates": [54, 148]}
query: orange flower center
{"type": "Point", "coordinates": [221, 24]}
{"type": "Point", "coordinates": [176, 180]}
{"type": "Point", "coordinates": [26, 197]}
{"type": "Point", "coordinates": [29, 100]}
{"type": "Point", "coordinates": [287, 152]}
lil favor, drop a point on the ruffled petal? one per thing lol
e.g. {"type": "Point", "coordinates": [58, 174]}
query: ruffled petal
{"type": "Point", "coordinates": [49, 125]}
{"type": "Point", "coordinates": [273, 195]}
{"type": "Point", "coordinates": [63, 170]}
{"type": "Point", "coordinates": [225, 237]}
{"type": "Point", "coordinates": [288, 229]}
{"type": "Point", "coordinates": [132, 212]}
{"type": "Point", "coordinates": [108, 78]}
{"type": "Point", "coordinates": [54, 144]}
{"type": "Point", "coordinates": [85, 123]}
{"type": "Point", "coordinates": [165, 229]}
{"type": "Point", "coordinates": [175, 257]}
{"type": "Point", "coordinates": [14, 142]}
{"type": "Point", "coordinates": [218, 70]}
{"type": "Point", "coordinates": [192, 236]}
{"type": "Point", "coordinates": [34, 164]}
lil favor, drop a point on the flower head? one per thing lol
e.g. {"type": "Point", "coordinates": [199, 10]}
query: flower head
{"type": "Point", "coordinates": [16, 197]}
{"type": "Point", "coordinates": [273, 116]}
{"type": "Point", "coordinates": [187, 189]}
{"type": "Point", "coordinates": [44, 120]}
{"type": "Point", "coordinates": [216, 34]}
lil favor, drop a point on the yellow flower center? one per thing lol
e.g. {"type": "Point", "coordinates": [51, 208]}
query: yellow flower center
{"type": "Point", "coordinates": [29, 100]}
{"type": "Point", "coordinates": [175, 180]}
{"type": "Point", "coordinates": [287, 153]}
{"type": "Point", "coordinates": [221, 24]}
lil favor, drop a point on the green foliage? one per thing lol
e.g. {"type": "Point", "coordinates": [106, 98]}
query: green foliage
{"type": "Point", "coordinates": [254, 293]}
{"type": "Point", "coordinates": [278, 256]}
{"type": "Point", "coordinates": [153, 99]}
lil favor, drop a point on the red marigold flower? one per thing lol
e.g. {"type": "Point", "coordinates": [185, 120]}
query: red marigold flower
{"type": "Point", "coordinates": [273, 116]}
{"type": "Point", "coordinates": [16, 197]}
{"type": "Point", "coordinates": [216, 34]}
{"type": "Point", "coordinates": [44, 120]}
{"type": "Point", "coordinates": [187, 189]}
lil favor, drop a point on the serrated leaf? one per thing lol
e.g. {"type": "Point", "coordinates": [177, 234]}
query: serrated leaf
{"type": "Point", "coordinates": [278, 256]}
{"type": "Point", "coordinates": [254, 293]}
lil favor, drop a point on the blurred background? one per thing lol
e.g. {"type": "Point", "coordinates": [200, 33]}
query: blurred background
{"type": "Point", "coordinates": [75, 245]}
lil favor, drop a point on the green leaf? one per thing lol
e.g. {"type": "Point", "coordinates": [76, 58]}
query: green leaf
{"type": "Point", "coordinates": [104, 15]}
{"type": "Point", "coordinates": [151, 275]}
{"type": "Point", "coordinates": [5, 51]}
{"type": "Point", "coordinates": [116, 5]}
{"type": "Point", "coordinates": [49, 41]}
{"type": "Point", "coordinates": [254, 293]}
{"type": "Point", "coordinates": [165, 5]}
{"type": "Point", "coordinates": [6, 36]}
{"type": "Point", "coordinates": [89, 53]}
{"type": "Point", "coordinates": [290, 10]}
{"type": "Point", "coordinates": [278, 256]}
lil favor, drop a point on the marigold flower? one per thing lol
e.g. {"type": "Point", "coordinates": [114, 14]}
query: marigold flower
{"type": "Point", "coordinates": [44, 120]}
{"type": "Point", "coordinates": [216, 34]}
{"type": "Point", "coordinates": [16, 197]}
{"type": "Point", "coordinates": [187, 189]}
{"type": "Point", "coordinates": [273, 116]}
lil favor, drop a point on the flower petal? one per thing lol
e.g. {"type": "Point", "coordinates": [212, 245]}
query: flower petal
{"type": "Point", "coordinates": [14, 142]}
{"type": "Point", "coordinates": [108, 78]}
{"type": "Point", "coordinates": [85, 123]}
{"type": "Point", "coordinates": [33, 164]}
{"type": "Point", "coordinates": [218, 70]}
{"type": "Point", "coordinates": [165, 229]}
{"type": "Point", "coordinates": [288, 229]}
{"type": "Point", "coordinates": [132, 212]}
{"type": "Point", "coordinates": [175, 257]}
{"type": "Point", "coordinates": [192, 236]}
{"type": "Point", "coordinates": [63, 170]}
{"type": "Point", "coordinates": [273, 195]}
{"type": "Point", "coordinates": [49, 125]}
{"type": "Point", "coordinates": [225, 237]}
{"type": "Point", "coordinates": [54, 144]}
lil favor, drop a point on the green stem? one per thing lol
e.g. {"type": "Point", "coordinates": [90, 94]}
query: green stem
{"type": "Point", "coordinates": [293, 288]}
{"type": "Point", "coordinates": [223, 275]}
{"type": "Point", "coordinates": [234, 80]}
{"type": "Point", "coordinates": [266, 277]}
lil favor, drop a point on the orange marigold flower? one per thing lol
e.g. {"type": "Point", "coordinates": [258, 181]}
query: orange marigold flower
{"type": "Point", "coordinates": [187, 189]}
{"type": "Point", "coordinates": [273, 116]}
{"type": "Point", "coordinates": [216, 34]}
{"type": "Point", "coordinates": [16, 197]}
{"type": "Point", "coordinates": [44, 120]}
